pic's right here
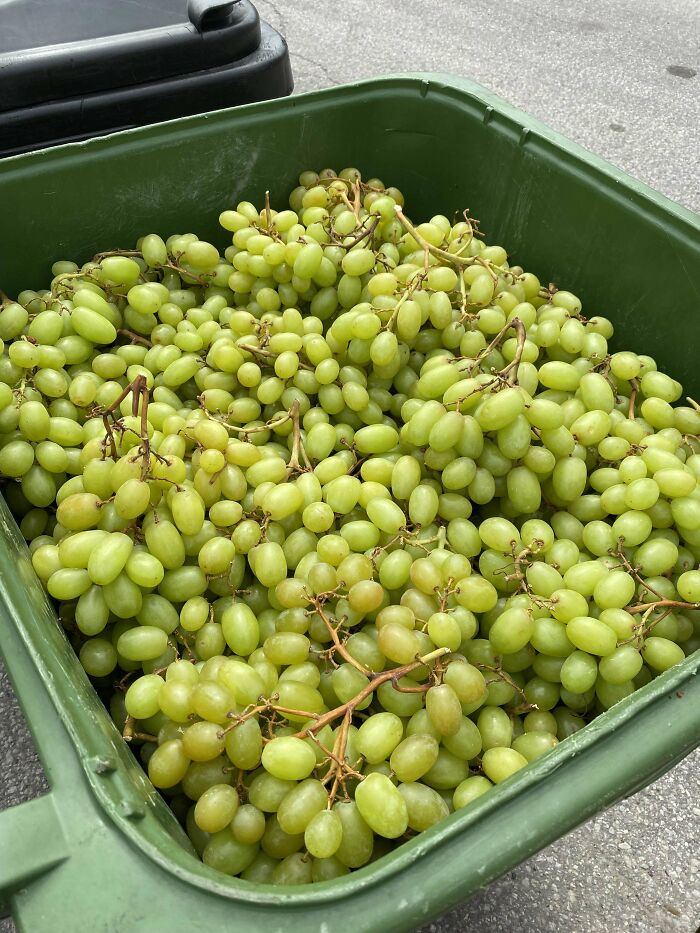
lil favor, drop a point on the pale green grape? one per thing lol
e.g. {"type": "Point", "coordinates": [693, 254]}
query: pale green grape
{"type": "Point", "coordinates": [336, 536]}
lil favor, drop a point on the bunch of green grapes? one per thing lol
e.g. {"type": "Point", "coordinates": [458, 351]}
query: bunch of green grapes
{"type": "Point", "coordinates": [357, 518]}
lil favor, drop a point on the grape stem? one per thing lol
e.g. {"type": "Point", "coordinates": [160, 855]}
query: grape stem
{"type": "Point", "coordinates": [338, 644]}
{"type": "Point", "coordinates": [408, 538]}
{"type": "Point", "coordinates": [633, 398]}
{"type": "Point", "coordinates": [506, 376]}
{"type": "Point", "coordinates": [61, 279]}
{"type": "Point", "coordinates": [453, 259]}
{"type": "Point", "coordinates": [642, 629]}
{"type": "Point", "coordinates": [463, 300]}
{"type": "Point", "coordinates": [174, 267]}
{"type": "Point", "coordinates": [517, 573]}
{"type": "Point", "coordinates": [122, 683]}
{"type": "Point", "coordinates": [363, 234]}
{"type": "Point", "coordinates": [322, 720]}
{"type": "Point", "coordinates": [444, 595]}
{"type": "Point", "coordinates": [139, 393]}
{"type": "Point", "coordinates": [507, 679]}
{"type": "Point", "coordinates": [268, 706]}
{"type": "Point", "coordinates": [297, 446]}
{"type": "Point", "coordinates": [353, 206]}
{"type": "Point", "coordinates": [339, 770]}
{"type": "Point", "coordinates": [128, 732]}
{"type": "Point", "coordinates": [514, 365]}
{"type": "Point", "coordinates": [416, 282]}
{"type": "Point", "coordinates": [256, 428]}
{"type": "Point", "coordinates": [98, 257]}
{"type": "Point", "coordinates": [393, 675]}
{"type": "Point", "coordinates": [473, 225]}
{"type": "Point", "coordinates": [267, 354]}
{"type": "Point", "coordinates": [357, 191]}
{"type": "Point", "coordinates": [521, 336]}
{"type": "Point", "coordinates": [135, 338]}
{"type": "Point", "coordinates": [660, 604]}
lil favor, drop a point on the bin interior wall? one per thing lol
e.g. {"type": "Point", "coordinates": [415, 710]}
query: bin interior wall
{"type": "Point", "coordinates": [572, 225]}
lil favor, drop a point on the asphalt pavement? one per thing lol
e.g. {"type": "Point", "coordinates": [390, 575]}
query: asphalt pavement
{"type": "Point", "coordinates": [623, 80]}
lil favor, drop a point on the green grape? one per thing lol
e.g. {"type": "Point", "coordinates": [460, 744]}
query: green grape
{"type": "Point", "coordinates": [216, 808]}
{"type": "Point", "coordinates": [79, 511]}
{"type": "Point", "coordinates": [511, 631]}
{"type": "Point", "coordinates": [357, 842]}
{"type": "Point", "coordinates": [248, 824]}
{"type": "Point", "coordinates": [168, 765]}
{"type": "Point", "coordinates": [533, 745]}
{"type": "Point", "coordinates": [382, 806]}
{"type": "Point", "coordinates": [277, 843]}
{"type": "Point", "coordinates": [466, 743]}
{"type": "Point", "coordinates": [660, 653]}
{"type": "Point", "coordinates": [424, 804]}
{"type": "Point", "coordinates": [288, 758]}
{"type": "Point", "coordinates": [495, 727]}
{"type": "Point", "coordinates": [93, 326]}
{"type": "Point", "coordinates": [591, 635]}
{"type": "Point", "coordinates": [109, 557]}
{"type": "Point", "coordinates": [98, 657]}
{"type": "Point", "coordinates": [142, 697]}
{"type": "Point", "coordinates": [467, 681]}
{"type": "Point", "coordinates": [144, 569]}
{"type": "Point", "coordinates": [75, 549]}
{"type": "Point", "coordinates": [579, 672]}
{"type": "Point", "coordinates": [324, 834]}
{"type": "Point", "coordinates": [244, 745]}
{"type": "Point", "coordinates": [413, 757]}
{"type": "Point", "coordinates": [308, 471]}
{"type": "Point", "coordinates": [470, 789]}
{"type": "Point", "coordinates": [447, 772]}
{"type": "Point", "coordinates": [300, 805]}
{"type": "Point", "coordinates": [68, 583]}
{"type": "Point", "coordinates": [614, 591]}
{"type": "Point", "coordinates": [397, 643]}
{"type": "Point", "coordinates": [226, 854]}
{"type": "Point", "coordinates": [378, 736]}
{"type": "Point", "coordinates": [688, 586]}
{"type": "Point", "coordinates": [501, 763]}
{"type": "Point", "coordinates": [142, 643]}
{"type": "Point", "coordinates": [202, 741]}
{"type": "Point", "coordinates": [621, 665]}
{"type": "Point", "coordinates": [444, 709]}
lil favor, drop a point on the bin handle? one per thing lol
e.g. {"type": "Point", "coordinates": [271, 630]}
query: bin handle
{"type": "Point", "coordinates": [33, 842]}
{"type": "Point", "coordinates": [210, 14]}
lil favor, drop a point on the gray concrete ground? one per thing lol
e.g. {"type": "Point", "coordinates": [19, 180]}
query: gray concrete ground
{"type": "Point", "coordinates": [623, 79]}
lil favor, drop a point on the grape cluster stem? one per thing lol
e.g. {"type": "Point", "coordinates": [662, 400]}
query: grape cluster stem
{"type": "Point", "coordinates": [507, 679]}
{"type": "Point", "coordinates": [633, 398]}
{"type": "Point", "coordinates": [338, 644]}
{"type": "Point", "coordinates": [339, 770]}
{"type": "Point", "coordinates": [453, 259]}
{"type": "Point", "coordinates": [128, 733]}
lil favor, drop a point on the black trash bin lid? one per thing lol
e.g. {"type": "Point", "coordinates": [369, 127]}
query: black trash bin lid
{"type": "Point", "coordinates": [54, 49]}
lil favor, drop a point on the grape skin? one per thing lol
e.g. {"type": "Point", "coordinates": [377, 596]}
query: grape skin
{"type": "Point", "coordinates": [364, 514]}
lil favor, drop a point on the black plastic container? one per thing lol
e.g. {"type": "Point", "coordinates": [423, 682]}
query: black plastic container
{"type": "Point", "coordinates": [71, 69]}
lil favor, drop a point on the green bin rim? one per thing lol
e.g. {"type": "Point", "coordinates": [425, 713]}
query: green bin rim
{"type": "Point", "coordinates": [26, 636]}
{"type": "Point", "coordinates": [433, 83]}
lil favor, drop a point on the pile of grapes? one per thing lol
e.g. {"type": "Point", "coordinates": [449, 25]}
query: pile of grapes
{"type": "Point", "coordinates": [352, 521]}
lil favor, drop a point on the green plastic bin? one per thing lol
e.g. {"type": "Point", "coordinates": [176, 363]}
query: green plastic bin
{"type": "Point", "coordinates": [101, 851]}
